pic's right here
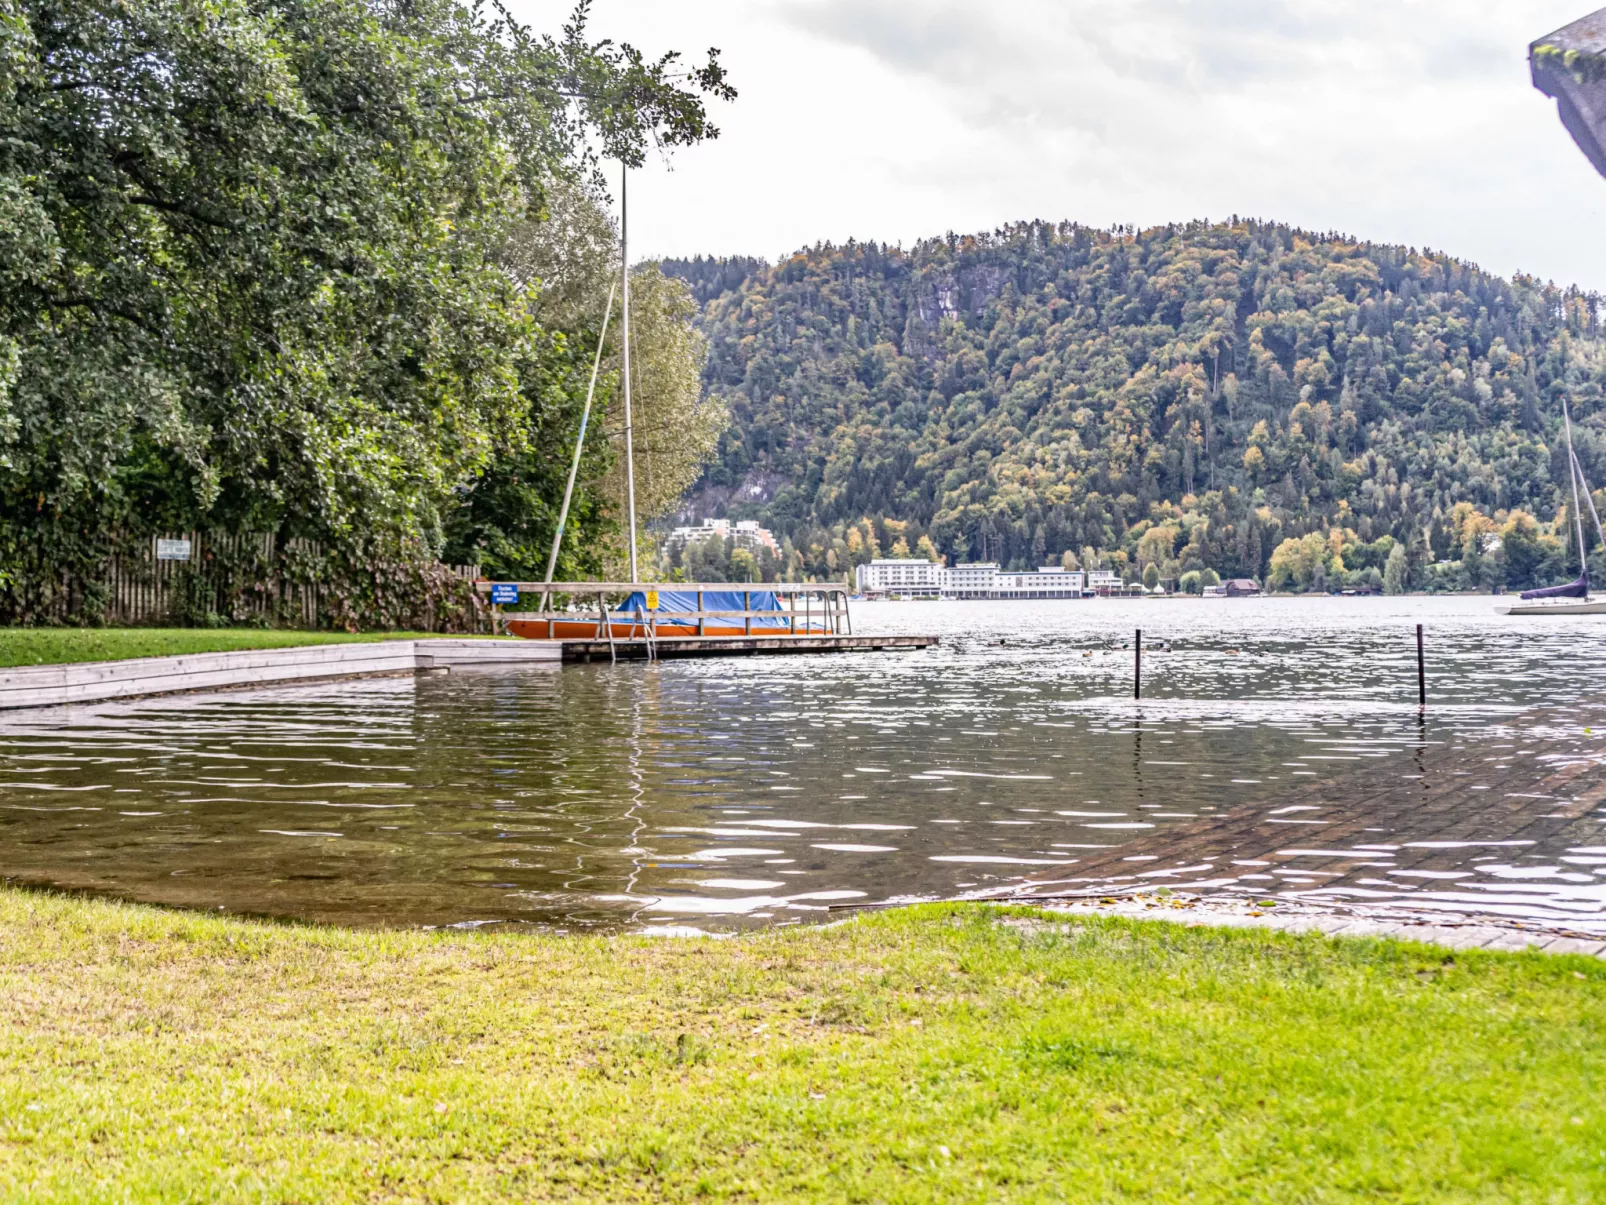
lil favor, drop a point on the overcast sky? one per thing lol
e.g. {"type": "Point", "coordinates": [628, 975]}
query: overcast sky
{"type": "Point", "coordinates": [1410, 121]}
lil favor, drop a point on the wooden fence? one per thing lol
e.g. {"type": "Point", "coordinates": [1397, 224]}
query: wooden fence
{"type": "Point", "coordinates": [242, 577]}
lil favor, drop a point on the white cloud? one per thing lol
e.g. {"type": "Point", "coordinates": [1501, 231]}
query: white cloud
{"type": "Point", "coordinates": [1399, 120]}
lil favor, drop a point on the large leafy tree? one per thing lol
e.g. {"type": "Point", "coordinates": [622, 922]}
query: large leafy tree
{"type": "Point", "coordinates": [248, 266]}
{"type": "Point", "coordinates": [570, 260]}
{"type": "Point", "coordinates": [676, 428]}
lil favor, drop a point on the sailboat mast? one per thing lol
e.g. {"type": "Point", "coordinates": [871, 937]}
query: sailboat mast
{"type": "Point", "coordinates": [630, 456]}
{"type": "Point", "coordinates": [1572, 476]}
{"type": "Point", "coordinates": [579, 445]}
{"type": "Point", "coordinates": [1589, 500]}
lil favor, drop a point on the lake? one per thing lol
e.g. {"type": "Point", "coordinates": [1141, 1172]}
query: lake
{"type": "Point", "coordinates": [745, 791]}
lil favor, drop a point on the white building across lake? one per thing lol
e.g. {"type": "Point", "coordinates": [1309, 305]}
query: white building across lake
{"type": "Point", "coordinates": [744, 533]}
{"type": "Point", "coordinates": [1107, 581]}
{"type": "Point", "coordinates": [981, 579]}
{"type": "Point", "coordinates": [915, 578]}
{"type": "Point", "coordinates": [1049, 582]}
{"type": "Point", "coordinates": [970, 581]}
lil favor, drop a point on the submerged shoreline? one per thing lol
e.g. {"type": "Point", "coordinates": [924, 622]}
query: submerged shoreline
{"type": "Point", "coordinates": [730, 795]}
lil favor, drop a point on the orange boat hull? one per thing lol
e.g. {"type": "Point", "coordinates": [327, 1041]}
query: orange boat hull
{"type": "Point", "coordinates": [580, 629]}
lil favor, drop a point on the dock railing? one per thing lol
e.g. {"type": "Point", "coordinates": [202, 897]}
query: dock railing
{"type": "Point", "coordinates": [810, 609]}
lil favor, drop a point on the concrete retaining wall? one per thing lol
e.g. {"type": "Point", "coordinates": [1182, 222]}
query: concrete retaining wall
{"type": "Point", "coordinates": [463, 652]}
{"type": "Point", "coordinates": [99, 681]}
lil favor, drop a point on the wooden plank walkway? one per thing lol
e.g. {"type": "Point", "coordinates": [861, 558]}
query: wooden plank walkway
{"type": "Point", "coordinates": [735, 646]}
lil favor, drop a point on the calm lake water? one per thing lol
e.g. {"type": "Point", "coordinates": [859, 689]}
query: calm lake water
{"type": "Point", "coordinates": [750, 791]}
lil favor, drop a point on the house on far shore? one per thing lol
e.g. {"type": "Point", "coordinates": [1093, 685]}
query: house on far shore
{"type": "Point", "coordinates": [1239, 587]}
{"type": "Point", "coordinates": [909, 577]}
{"type": "Point", "coordinates": [744, 533]}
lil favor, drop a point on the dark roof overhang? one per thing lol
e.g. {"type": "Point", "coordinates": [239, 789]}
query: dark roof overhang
{"type": "Point", "coordinates": [1570, 65]}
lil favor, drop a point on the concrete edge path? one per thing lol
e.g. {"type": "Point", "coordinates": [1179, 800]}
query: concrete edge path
{"type": "Point", "coordinates": [1474, 934]}
{"type": "Point", "coordinates": [141, 677]}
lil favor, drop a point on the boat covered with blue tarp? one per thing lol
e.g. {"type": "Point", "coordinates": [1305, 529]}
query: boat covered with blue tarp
{"type": "Point", "coordinates": [676, 604]}
{"type": "Point", "coordinates": [675, 613]}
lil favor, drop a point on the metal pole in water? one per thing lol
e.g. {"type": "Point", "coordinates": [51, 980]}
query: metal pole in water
{"type": "Point", "coordinates": [1421, 673]}
{"type": "Point", "coordinates": [1137, 665]}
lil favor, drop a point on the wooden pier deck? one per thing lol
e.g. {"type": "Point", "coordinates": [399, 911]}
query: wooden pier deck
{"type": "Point", "coordinates": [734, 646]}
{"type": "Point", "coordinates": [685, 619]}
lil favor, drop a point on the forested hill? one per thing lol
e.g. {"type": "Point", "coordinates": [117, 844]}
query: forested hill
{"type": "Point", "coordinates": [1051, 388]}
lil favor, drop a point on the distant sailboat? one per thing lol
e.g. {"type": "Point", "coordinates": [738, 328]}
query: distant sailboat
{"type": "Point", "coordinates": [1574, 598]}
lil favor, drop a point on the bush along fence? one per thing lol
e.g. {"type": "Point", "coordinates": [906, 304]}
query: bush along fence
{"type": "Point", "coordinates": [209, 579]}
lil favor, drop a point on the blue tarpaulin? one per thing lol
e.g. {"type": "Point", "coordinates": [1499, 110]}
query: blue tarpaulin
{"type": "Point", "coordinates": [713, 600]}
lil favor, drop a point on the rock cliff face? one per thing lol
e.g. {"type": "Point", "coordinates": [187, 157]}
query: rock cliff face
{"type": "Point", "coordinates": [1570, 65]}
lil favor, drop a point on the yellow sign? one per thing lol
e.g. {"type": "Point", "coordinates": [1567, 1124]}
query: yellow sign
{"type": "Point", "coordinates": [652, 600]}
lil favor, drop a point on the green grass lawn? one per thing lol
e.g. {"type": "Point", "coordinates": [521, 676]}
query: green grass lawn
{"type": "Point", "coordinates": [935, 1054]}
{"type": "Point", "coordinates": [57, 646]}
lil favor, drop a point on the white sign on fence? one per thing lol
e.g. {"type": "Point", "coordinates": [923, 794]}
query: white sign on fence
{"type": "Point", "coordinates": [172, 550]}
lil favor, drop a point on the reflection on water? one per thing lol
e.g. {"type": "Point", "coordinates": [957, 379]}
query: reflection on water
{"type": "Point", "coordinates": [763, 790]}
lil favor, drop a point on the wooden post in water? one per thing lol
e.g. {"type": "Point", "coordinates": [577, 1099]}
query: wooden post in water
{"type": "Point", "coordinates": [1421, 672]}
{"type": "Point", "coordinates": [1137, 665]}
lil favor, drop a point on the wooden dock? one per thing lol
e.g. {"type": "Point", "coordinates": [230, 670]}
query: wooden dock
{"type": "Point", "coordinates": [733, 646]}
{"type": "Point", "coordinates": [610, 621]}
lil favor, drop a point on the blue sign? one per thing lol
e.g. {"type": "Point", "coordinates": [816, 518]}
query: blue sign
{"type": "Point", "coordinates": [504, 592]}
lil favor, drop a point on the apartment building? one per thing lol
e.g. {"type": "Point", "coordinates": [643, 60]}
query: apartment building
{"type": "Point", "coordinates": [915, 578]}
{"type": "Point", "coordinates": [1105, 581]}
{"type": "Point", "coordinates": [973, 580]}
{"type": "Point", "coordinates": [983, 579]}
{"type": "Point", "coordinates": [986, 580]}
{"type": "Point", "coordinates": [743, 534]}
{"type": "Point", "coordinates": [1048, 582]}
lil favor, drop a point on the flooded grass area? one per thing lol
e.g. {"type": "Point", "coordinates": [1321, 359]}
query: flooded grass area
{"type": "Point", "coordinates": [951, 1053]}
{"type": "Point", "coordinates": [762, 791]}
{"type": "Point", "coordinates": [62, 646]}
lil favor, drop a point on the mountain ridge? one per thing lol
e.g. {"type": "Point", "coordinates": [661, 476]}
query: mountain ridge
{"type": "Point", "coordinates": [1052, 388]}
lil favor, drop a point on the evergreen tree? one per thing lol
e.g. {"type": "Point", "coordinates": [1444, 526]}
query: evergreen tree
{"type": "Point", "coordinates": [1046, 388]}
{"type": "Point", "coordinates": [1396, 572]}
